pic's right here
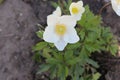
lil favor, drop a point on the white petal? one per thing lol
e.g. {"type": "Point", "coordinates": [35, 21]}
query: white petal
{"type": "Point", "coordinates": [82, 10]}
{"type": "Point", "coordinates": [52, 20]}
{"type": "Point", "coordinates": [80, 3]}
{"type": "Point", "coordinates": [49, 35]}
{"type": "Point", "coordinates": [68, 20]}
{"type": "Point", "coordinates": [57, 12]}
{"type": "Point", "coordinates": [71, 6]}
{"type": "Point", "coordinates": [71, 36]}
{"type": "Point", "coordinates": [60, 45]}
{"type": "Point", "coordinates": [77, 17]}
{"type": "Point", "coordinates": [115, 7]}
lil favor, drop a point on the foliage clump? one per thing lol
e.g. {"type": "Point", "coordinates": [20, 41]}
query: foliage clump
{"type": "Point", "coordinates": [75, 60]}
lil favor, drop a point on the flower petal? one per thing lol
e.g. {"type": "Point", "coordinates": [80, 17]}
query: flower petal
{"type": "Point", "coordinates": [79, 6]}
{"type": "Point", "coordinates": [116, 7]}
{"type": "Point", "coordinates": [52, 20]}
{"type": "Point", "coordinates": [77, 17]}
{"type": "Point", "coordinates": [71, 36]}
{"type": "Point", "coordinates": [80, 3]}
{"type": "Point", "coordinates": [57, 12]}
{"type": "Point", "coordinates": [71, 6]}
{"type": "Point", "coordinates": [49, 35]}
{"type": "Point", "coordinates": [60, 45]}
{"type": "Point", "coordinates": [67, 20]}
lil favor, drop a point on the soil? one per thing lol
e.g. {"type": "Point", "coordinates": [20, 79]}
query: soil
{"type": "Point", "coordinates": [17, 31]}
{"type": "Point", "coordinates": [18, 19]}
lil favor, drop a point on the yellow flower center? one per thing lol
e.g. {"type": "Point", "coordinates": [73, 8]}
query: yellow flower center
{"type": "Point", "coordinates": [60, 29]}
{"type": "Point", "coordinates": [75, 10]}
{"type": "Point", "coordinates": [118, 2]}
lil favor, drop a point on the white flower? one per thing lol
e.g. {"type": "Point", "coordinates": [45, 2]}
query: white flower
{"type": "Point", "coordinates": [57, 12]}
{"type": "Point", "coordinates": [77, 9]}
{"type": "Point", "coordinates": [60, 30]}
{"type": "Point", "coordinates": [116, 6]}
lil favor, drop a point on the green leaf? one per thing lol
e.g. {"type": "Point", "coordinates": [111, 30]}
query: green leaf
{"type": "Point", "coordinates": [36, 57]}
{"type": "Point", "coordinates": [62, 72]}
{"type": "Point", "coordinates": [58, 56]}
{"type": "Point", "coordinates": [51, 45]}
{"type": "Point", "coordinates": [53, 71]}
{"type": "Point", "coordinates": [44, 68]}
{"type": "Point", "coordinates": [40, 34]}
{"type": "Point", "coordinates": [46, 52]}
{"type": "Point", "coordinates": [82, 34]}
{"type": "Point", "coordinates": [83, 53]}
{"type": "Point", "coordinates": [93, 63]}
{"type": "Point", "coordinates": [65, 3]}
{"type": "Point", "coordinates": [52, 61]}
{"type": "Point", "coordinates": [39, 46]}
{"type": "Point", "coordinates": [96, 76]}
{"type": "Point", "coordinates": [73, 61]}
{"type": "Point", "coordinates": [1, 1]}
{"type": "Point", "coordinates": [113, 49]}
{"type": "Point", "coordinates": [89, 21]}
{"type": "Point", "coordinates": [54, 4]}
{"type": "Point", "coordinates": [69, 2]}
{"type": "Point", "coordinates": [68, 55]}
{"type": "Point", "coordinates": [92, 47]}
{"type": "Point", "coordinates": [79, 70]}
{"type": "Point", "coordinates": [73, 46]}
{"type": "Point", "coordinates": [81, 78]}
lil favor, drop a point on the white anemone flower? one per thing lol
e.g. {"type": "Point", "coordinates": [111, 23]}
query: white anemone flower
{"type": "Point", "coordinates": [116, 6]}
{"type": "Point", "coordinates": [60, 30]}
{"type": "Point", "coordinates": [77, 9]}
{"type": "Point", "coordinates": [57, 12]}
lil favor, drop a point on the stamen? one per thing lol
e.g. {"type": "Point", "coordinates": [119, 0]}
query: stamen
{"type": "Point", "coordinates": [60, 29]}
{"type": "Point", "coordinates": [75, 10]}
{"type": "Point", "coordinates": [118, 2]}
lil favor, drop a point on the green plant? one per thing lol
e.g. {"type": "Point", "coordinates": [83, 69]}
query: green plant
{"type": "Point", "coordinates": [1, 1]}
{"type": "Point", "coordinates": [75, 60]}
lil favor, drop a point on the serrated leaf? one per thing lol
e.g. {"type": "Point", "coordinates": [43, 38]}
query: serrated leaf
{"type": "Point", "coordinates": [44, 68]}
{"type": "Point", "coordinates": [62, 72]}
{"type": "Point", "coordinates": [52, 61]}
{"type": "Point", "coordinates": [46, 52]}
{"type": "Point", "coordinates": [81, 78]}
{"type": "Point", "coordinates": [54, 4]}
{"type": "Point", "coordinates": [83, 53]}
{"type": "Point", "coordinates": [53, 71]}
{"type": "Point", "coordinates": [89, 20]}
{"type": "Point", "coordinates": [40, 34]}
{"type": "Point", "coordinates": [39, 46]}
{"type": "Point", "coordinates": [36, 57]}
{"type": "Point", "coordinates": [73, 46]}
{"type": "Point", "coordinates": [73, 61]}
{"type": "Point", "coordinates": [82, 34]}
{"type": "Point", "coordinates": [79, 69]}
{"type": "Point", "coordinates": [68, 55]}
{"type": "Point", "coordinates": [113, 49]}
{"type": "Point", "coordinates": [93, 63]}
{"type": "Point", "coordinates": [96, 76]}
{"type": "Point", "coordinates": [58, 56]}
{"type": "Point", "coordinates": [51, 45]}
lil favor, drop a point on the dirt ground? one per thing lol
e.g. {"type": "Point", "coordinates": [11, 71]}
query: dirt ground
{"type": "Point", "coordinates": [18, 19]}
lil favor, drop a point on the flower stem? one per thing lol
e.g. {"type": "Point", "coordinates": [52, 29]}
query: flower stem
{"type": "Point", "coordinates": [107, 4]}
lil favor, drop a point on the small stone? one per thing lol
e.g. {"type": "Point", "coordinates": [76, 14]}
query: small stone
{"type": "Point", "coordinates": [0, 30]}
{"type": "Point", "coordinates": [21, 14]}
